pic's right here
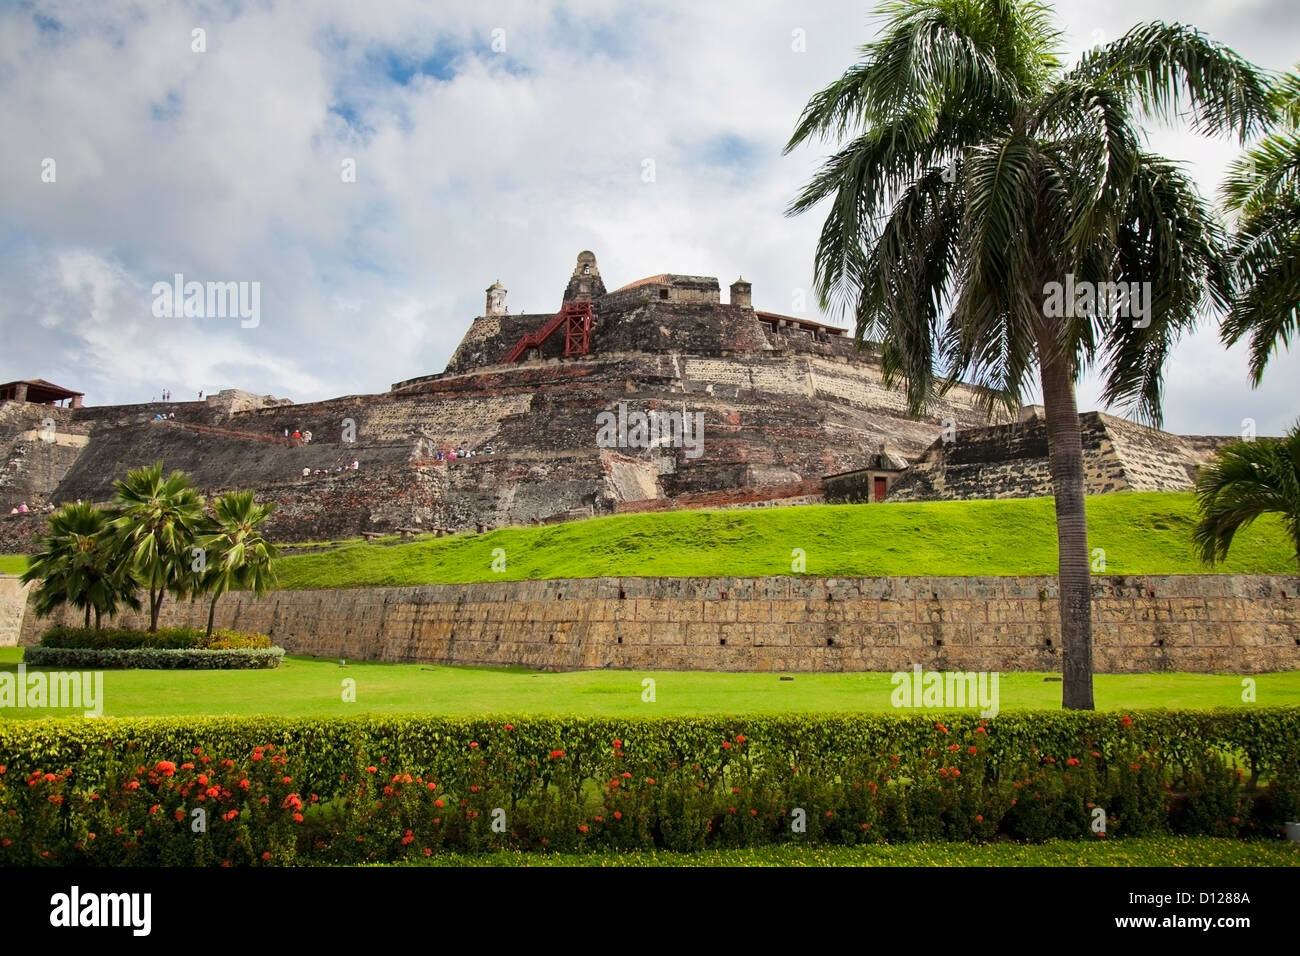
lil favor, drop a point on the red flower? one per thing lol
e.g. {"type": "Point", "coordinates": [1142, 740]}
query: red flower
{"type": "Point", "coordinates": [1126, 720]}
{"type": "Point", "coordinates": [427, 851]}
{"type": "Point", "coordinates": [753, 812]}
{"type": "Point", "coordinates": [407, 838]}
{"type": "Point", "coordinates": [626, 775]}
{"type": "Point", "coordinates": [154, 809]}
{"type": "Point", "coordinates": [230, 815]}
{"type": "Point", "coordinates": [243, 785]}
{"type": "Point", "coordinates": [941, 728]}
{"type": "Point", "coordinates": [165, 767]}
{"type": "Point", "coordinates": [371, 769]}
{"type": "Point", "coordinates": [266, 854]}
{"type": "Point", "coordinates": [203, 778]}
{"type": "Point", "coordinates": [971, 750]}
{"type": "Point", "coordinates": [740, 738]}
{"type": "Point", "coordinates": [473, 745]}
{"type": "Point", "coordinates": [726, 745]}
{"type": "Point", "coordinates": [1072, 762]}
{"type": "Point", "coordinates": [979, 818]}
{"type": "Point", "coordinates": [599, 819]}
{"type": "Point", "coordinates": [179, 814]}
{"type": "Point", "coordinates": [617, 743]}
{"type": "Point", "coordinates": [510, 726]}
{"type": "Point", "coordinates": [133, 785]}
{"type": "Point", "coordinates": [618, 815]}
{"type": "Point", "coordinates": [297, 818]}
{"type": "Point", "coordinates": [980, 730]}
{"type": "Point", "coordinates": [954, 747]}
{"type": "Point", "coordinates": [582, 828]}
{"type": "Point", "coordinates": [557, 754]}
{"type": "Point", "coordinates": [187, 766]}
{"type": "Point", "coordinates": [650, 780]}
{"type": "Point", "coordinates": [433, 786]}
{"type": "Point", "coordinates": [438, 803]}
{"type": "Point", "coordinates": [257, 755]}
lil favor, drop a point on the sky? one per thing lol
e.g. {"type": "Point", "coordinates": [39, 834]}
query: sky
{"type": "Point", "coordinates": [374, 166]}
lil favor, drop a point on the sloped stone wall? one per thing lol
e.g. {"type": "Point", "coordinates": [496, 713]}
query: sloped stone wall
{"type": "Point", "coordinates": [1199, 623]}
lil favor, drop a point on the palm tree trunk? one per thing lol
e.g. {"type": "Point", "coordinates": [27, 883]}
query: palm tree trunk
{"type": "Point", "coordinates": [97, 619]}
{"type": "Point", "coordinates": [86, 625]}
{"type": "Point", "coordinates": [212, 610]}
{"type": "Point", "coordinates": [155, 605]}
{"type": "Point", "coordinates": [1074, 581]}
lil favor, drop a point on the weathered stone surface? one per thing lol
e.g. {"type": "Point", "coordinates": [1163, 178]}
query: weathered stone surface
{"type": "Point", "coordinates": [1010, 461]}
{"type": "Point", "coordinates": [1176, 623]}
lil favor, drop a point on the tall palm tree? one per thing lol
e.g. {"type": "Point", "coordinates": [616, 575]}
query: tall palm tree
{"type": "Point", "coordinates": [1247, 479]}
{"type": "Point", "coordinates": [155, 527]}
{"type": "Point", "coordinates": [979, 173]}
{"type": "Point", "coordinates": [238, 554]}
{"type": "Point", "coordinates": [79, 565]}
{"type": "Point", "coordinates": [1262, 191]}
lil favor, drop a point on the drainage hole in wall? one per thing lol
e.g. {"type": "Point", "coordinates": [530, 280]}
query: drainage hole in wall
{"type": "Point", "coordinates": [722, 642]}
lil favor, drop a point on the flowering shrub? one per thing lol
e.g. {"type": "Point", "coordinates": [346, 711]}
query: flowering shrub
{"type": "Point", "coordinates": [259, 791]}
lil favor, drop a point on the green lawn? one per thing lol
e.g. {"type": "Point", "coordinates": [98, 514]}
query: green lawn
{"type": "Point", "coordinates": [1147, 851]}
{"type": "Point", "coordinates": [1141, 533]}
{"type": "Point", "coordinates": [13, 563]}
{"type": "Point", "coordinates": [305, 686]}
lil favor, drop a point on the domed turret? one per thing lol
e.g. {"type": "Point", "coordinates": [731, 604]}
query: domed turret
{"type": "Point", "coordinates": [585, 283]}
{"type": "Point", "coordinates": [496, 299]}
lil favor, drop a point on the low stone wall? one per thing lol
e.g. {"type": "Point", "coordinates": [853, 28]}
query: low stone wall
{"type": "Point", "coordinates": [1206, 623]}
{"type": "Point", "coordinates": [13, 606]}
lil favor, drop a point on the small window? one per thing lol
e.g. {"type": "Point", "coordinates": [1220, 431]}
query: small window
{"type": "Point", "coordinates": [663, 293]}
{"type": "Point", "coordinates": [586, 270]}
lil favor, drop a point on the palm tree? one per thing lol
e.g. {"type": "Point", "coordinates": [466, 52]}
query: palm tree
{"type": "Point", "coordinates": [80, 566]}
{"type": "Point", "coordinates": [238, 555]}
{"type": "Point", "coordinates": [1247, 479]}
{"type": "Point", "coordinates": [981, 178]}
{"type": "Point", "coordinates": [1263, 192]}
{"type": "Point", "coordinates": [155, 528]}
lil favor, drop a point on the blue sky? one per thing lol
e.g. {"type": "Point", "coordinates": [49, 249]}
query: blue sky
{"type": "Point", "coordinates": [490, 141]}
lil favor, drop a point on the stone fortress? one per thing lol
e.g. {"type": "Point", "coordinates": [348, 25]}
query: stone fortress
{"type": "Point", "coordinates": [791, 411]}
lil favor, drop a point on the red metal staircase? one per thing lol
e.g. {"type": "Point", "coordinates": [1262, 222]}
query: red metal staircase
{"type": "Point", "coordinates": [575, 317]}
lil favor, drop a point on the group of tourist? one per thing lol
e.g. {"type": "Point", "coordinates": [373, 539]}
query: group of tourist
{"type": "Point", "coordinates": [22, 509]}
{"type": "Point", "coordinates": [304, 436]}
{"type": "Point", "coordinates": [161, 417]}
{"type": "Point", "coordinates": [325, 472]}
{"type": "Point", "coordinates": [463, 453]}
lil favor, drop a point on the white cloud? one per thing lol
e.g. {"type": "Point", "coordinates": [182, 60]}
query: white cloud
{"type": "Point", "coordinates": [225, 165]}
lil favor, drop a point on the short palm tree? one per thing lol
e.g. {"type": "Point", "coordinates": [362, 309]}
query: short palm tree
{"type": "Point", "coordinates": [237, 553]}
{"type": "Point", "coordinates": [979, 175]}
{"type": "Point", "coordinates": [155, 528]}
{"type": "Point", "coordinates": [1262, 191]}
{"type": "Point", "coordinates": [1247, 479]}
{"type": "Point", "coordinates": [79, 565]}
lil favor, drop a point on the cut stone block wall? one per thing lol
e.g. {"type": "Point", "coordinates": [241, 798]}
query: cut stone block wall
{"type": "Point", "coordinates": [1198, 623]}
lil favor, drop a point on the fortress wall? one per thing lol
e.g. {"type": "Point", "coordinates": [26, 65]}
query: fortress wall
{"type": "Point", "coordinates": [13, 605]}
{"type": "Point", "coordinates": [1205, 623]}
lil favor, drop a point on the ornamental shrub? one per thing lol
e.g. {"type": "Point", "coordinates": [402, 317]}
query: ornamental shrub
{"type": "Point", "coordinates": [388, 788]}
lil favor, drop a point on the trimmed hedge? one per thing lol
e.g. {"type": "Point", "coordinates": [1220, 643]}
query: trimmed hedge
{"type": "Point", "coordinates": [383, 788]}
{"type": "Point", "coordinates": [153, 658]}
{"type": "Point", "coordinates": [124, 638]}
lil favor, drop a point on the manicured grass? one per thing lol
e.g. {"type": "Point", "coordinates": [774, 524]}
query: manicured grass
{"type": "Point", "coordinates": [1146, 533]}
{"type": "Point", "coordinates": [304, 686]}
{"type": "Point", "coordinates": [13, 563]}
{"type": "Point", "coordinates": [1146, 851]}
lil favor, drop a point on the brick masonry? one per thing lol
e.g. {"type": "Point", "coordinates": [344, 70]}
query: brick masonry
{"type": "Point", "coordinates": [1202, 623]}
